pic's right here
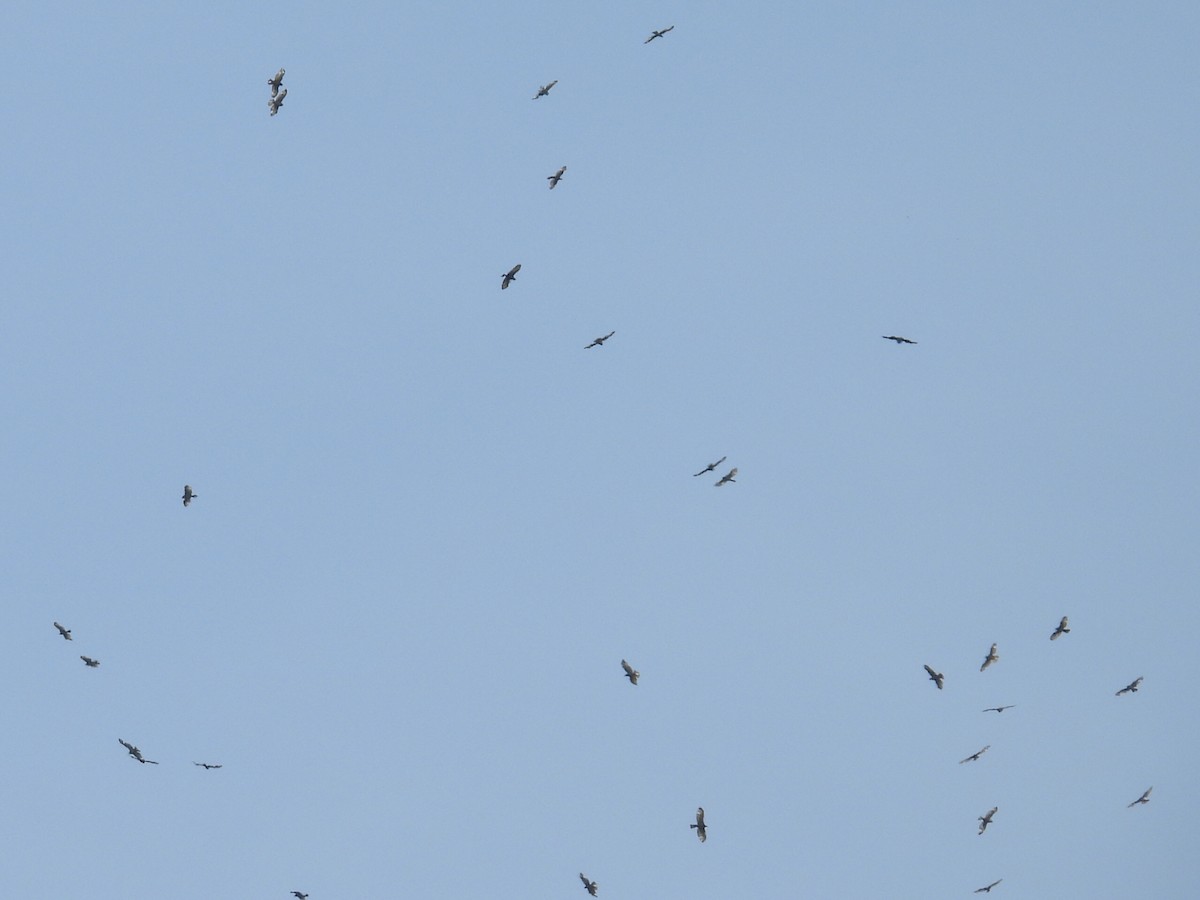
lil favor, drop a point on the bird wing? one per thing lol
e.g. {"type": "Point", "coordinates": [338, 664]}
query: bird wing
{"type": "Point", "coordinates": [512, 273]}
{"type": "Point", "coordinates": [627, 667]}
{"type": "Point", "coordinates": [124, 743]}
{"type": "Point", "coordinates": [932, 674]}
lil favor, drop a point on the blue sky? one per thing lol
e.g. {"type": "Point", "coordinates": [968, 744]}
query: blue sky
{"type": "Point", "coordinates": [429, 524]}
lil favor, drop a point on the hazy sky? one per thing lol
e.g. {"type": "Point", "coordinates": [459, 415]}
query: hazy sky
{"type": "Point", "coordinates": [429, 524]}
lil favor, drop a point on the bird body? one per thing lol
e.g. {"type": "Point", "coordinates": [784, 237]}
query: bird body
{"type": "Point", "coordinates": [590, 886]}
{"type": "Point", "coordinates": [599, 342]}
{"type": "Point", "coordinates": [657, 34]}
{"type": "Point", "coordinates": [275, 81]}
{"type": "Point", "coordinates": [630, 672]}
{"type": "Point", "coordinates": [899, 340]}
{"type": "Point", "coordinates": [189, 495]}
{"type": "Point", "coordinates": [545, 89]}
{"type": "Point", "coordinates": [65, 632]}
{"type": "Point", "coordinates": [276, 101]}
{"type": "Point", "coordinates": [1131, 688]}
{"type": "Point", "coordinates": [1060, 630]}
{"type": "Point", "coordinates": [974, 756]}
{"type": "Point", "coordinates": [90, 663]}
{"type": "Point", "coordinates": [556, 177]}
{"type": "Point", "coordinates": [936, 677]}
{"type": "Point", "coordinates": [1145, 798]}
{"type": "Point", "coordinates": [986, 819]}
{"type": "Point", "coordinates": [988, 889]}
{"type": "Point", "coordinates": [509, 277]}
{"type": "Point", "coordinates": [990, 658]}
{"type": "Point", "coordinates": [728, 477]}
{"type": "Point", "coordinates": [701, 828]}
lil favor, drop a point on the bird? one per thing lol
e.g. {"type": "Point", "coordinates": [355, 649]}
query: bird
{"type": "Point", "coordinates": [936, 677]}
{"type": "Point", "coordinates": [1145, 798]}
{"type": "Point", "coordinates": [1130, 688]}
{"type": "Point", "coordinates": [599, 342]}
{"type": "Point", "coordinates": [974, 756]}
{"type": "Point", "coordinates": [90, 663]}
{"type": "Point", "coordinates": [1060, 630]}
{"type": "Point", "coordinates": [701, 828]}
{"type": "Point", "coordinates": [590, 886]}
{"type": "Point", "coordinates": [998, 709]}
{"type": "Point", "coordinates": [988, 889]}
{"type": "Point", "coordinates": [135, 752]}
{"type": "Point", "coordinates": [990, 658]}
{"type": "Point", "coordinates": [986, 820]}
{"type": "Point", "coordinates": [299, 896]}
{"type": "Point", "coordinates": [509, 277]}
{"type": "Point", "coordinates": [556, 177]}
{"type": "Point", "coordinates": [545, 89]}
{"type": "Point", "coordinates": [189, 495]}
{"type": "Point", "coordinates": [897, 339]}
{"type": "Point", "coordinates": [657, 34]}
{"type": "Point", "coordinates": [727, 477]}
{"type": "Point", "coordinates": [65, 632]}
{"type": "Point", "coordinates": [630, 672]}
{"type": "Point", "coordinates": [276, 81]}
{"type": "Point", "coordinates": [276, 101]}
{"type": "Point", "coordinates": [208, 765]}
{"type": "Point", "coordinates": [711, 466]}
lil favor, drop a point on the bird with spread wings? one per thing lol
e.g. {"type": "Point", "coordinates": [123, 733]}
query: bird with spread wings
{"type": "Point", "coordinates": [1131, 688]}
{"type": "Point", "coordinates": [65, 632]}
{"type": "Point", "coordinates": [991, 657]}
{"type": "Point", "coordinates": [701, 828]}
{"type": "Point", "coordinates": [657, 34]}
{"type": "Point", "coordinates": [590, 886]}
{"type": "Point", "coordinates": [936, 677]}
{"type": "Point", "coordinates": [728, 477]}
{"type": "Point", "coordinates": [974, 756]}
{"type": "Point", "coordinates": [1145, 798]}
{"type": "Point", "coordinates": [630, 672]}
{"type": "Point", "coordinates": [1061, 629]}
{"type": "Point", "coordinates": [509, 277]}
{"type": "Point", "coordinates": [545, 89]}
{"type": "Point", "coordinates": [986, 819]}
{"type": "Point", "coordinates": [599, 342]}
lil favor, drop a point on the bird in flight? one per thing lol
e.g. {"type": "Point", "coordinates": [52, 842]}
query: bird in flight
{"type": "Point", "coordinates": [897, 339]}
{"type": "Point", "coordinates": [276, 81]}
{"type": "Point", "coordinates": [1131, 688]}
{"type": "Point", "coordinates": [727, 477]}
{"type": "Point", "coordinates": [599, 342]}
{"type": "Point", "coordinates": [986, 820]}
{"type": "Point", "coordinates": [545, 89]}
{"type": "Point", "coordinates": [657, 34]}
{"type": "Point", "coordinates": [988, 889]}
{"type": "Point", "coordinates": [509, 277]}
{"type": "Point", "coordinates": [299, 896]}
{"type": "Point", "coordinates": [974, 756]}
{"type": "Point", "coordinates": [1061, 629]}
{"type": "Point", "coordinates": [189, 495]}
{"type": "Point", "coordinates": [936, 677]}
{"type": "Point", "coordinates": [65, 632]}
{"type": "Point", "coordinates": [701, 828]}
{"type": "Point", "coordinates": [1145, 798]}
{"type": "Point", "coordinates": [90, 663]}
{"type": "Point", "coordinates": [208, 765]}
{"type": "Point", "coordinates": [556, 177]}
{"type": "Point", "coordinates": [630, 672]}
{"type": "Point", "coordinates": [711, 466]}
{"type": "Point", "coordinates": [990, 658]}
{"type": "Point", "coordinates": [590, 886]}
{"type": "Point", "coordinates": [135, 752]}
{"type": "Point", "coordinates": [998, 708]}
{"type": "Point", "coordinates": [276, 101]}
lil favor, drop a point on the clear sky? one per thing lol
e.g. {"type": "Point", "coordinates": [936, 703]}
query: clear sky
{"type": "Point", "coordinates": [430, 525]}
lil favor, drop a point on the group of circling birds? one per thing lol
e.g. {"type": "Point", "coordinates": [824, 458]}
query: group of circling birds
{"type": "Point", "coordinates": [992, 657]}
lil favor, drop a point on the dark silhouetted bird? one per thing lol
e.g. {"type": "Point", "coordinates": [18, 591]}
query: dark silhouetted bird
{"type": "Point", "coordinates": [711, 466]}
{"type": "Point", "coordinates": [988, 889]}
{"type": "Point", "coordinates": [90, 663]}
{"type": "Point", "coordinates": [590, 886]}
{"type": "Point", "coordinates": [208, 765]}
{"type": "Point", "coordinates": [630, 672]}
{"type": "Point", "coordinates": [897, 339]}
{"type": "Point", "coordinates": [545, 89]}
{"type": "Point", "coordinates": [657, 34]}
{"type": "Point", "coordinates": [299, 896]}
{"type": "Point", "coordinates": [998, 708]}
{"type": "Point", "coordinates": [986, 820]}
{"type": "Point", "coordinates": [189, 495]}
{"type": "Point", "coordinates": [974, 756]}
{"type": "Point", "coordinates": [65, 632]}
{"type": "Point", "coordinates": [135, 752]}
{"type": "Point", "coordinates": [1131, 688]}
{"type": "Point", "coordinates": [990, 658]}
{"type": "Point", "coordinates": [276, 101]}
{"type": "Point", "coordinates": [509, 277]}
{"type": "Point", "coordinates": [599, 342]}
{"type": "Point", "coordinates": [1060, 630]}
{"type": "Point", "coordinates": [701, 828]}
{"type": "Point", "coordinates": [276, 81]}
{"type": "Point", "coordinates": [1145, 798]}
{"type": "Point", "coordinates": [936, 677]}
{"type": "Point", "coordinates": [728, 477]}
{"type": "Point", "coordinates": [556, 177]}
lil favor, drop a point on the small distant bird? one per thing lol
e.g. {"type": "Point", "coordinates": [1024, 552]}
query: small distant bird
{"type": "Point", "coordinates": [189, 495]}
{"type": "Point", "coordinates": [986, 820]}
{"type": "Point", "coordinates": [988, 889]}
{"type": "Point", "coordinates": [208, 765]}
{"type": "Point", "coordinates": [998, 708]}
{"type": "Point", "coordinates": [509, 277]}
{"type": "Point", "coordinates": [630, 672]}
{"type": "Point", "coordinates": [701, 828]}
{"type": "Point", "coordinates": [897, 339]}
{"type": "Point", "coordinates": [590, 886]}
{"type": "Point", "coordinates": [90, 663]}
{"type": "Point", "coordinates": [65, 632]}
{"type": "Point", "coordinates": [1145, 798]}
{"type": "Point", "coordinates": [556, 177]}
{"type": "Point", "coordinates": [599, 342]}
{"type": "Point", "coordinates": [135, 752]}
{"type": "Point", "coordinates": [1061, 629]}
{"type": "Point", "coordinates": [299, 896]}
{"type": "Point", "coordinates": [990, 658]}
{"type": "Point", "coordinates": [936, 677]}
{"type": "Point", "coordinates": [728, 477]}
{"type": "Point", "coordinates": [657, 34]}
{"type": "Point", "coordinates": [974, 756]}
{"type": "Point", "coordinates": [545, 89]}
{"type": "Point", "coordinates": [276, 101]}
{"type": "Point", "coordinates": [711, 466]}
{"type": "Point", "coordinates": [1130, 688]}
{"type": "Point", "coordinates": [276, 81]}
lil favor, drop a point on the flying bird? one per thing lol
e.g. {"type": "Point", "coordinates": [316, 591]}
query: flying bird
{"type": "Point", "coordinates": [65, 632]}
{"type": "Point", "coordinates": [701, 828]}
{"type": "Point", "coordinates": [990, 658]}
{"type": "Point", "coordinates": [590, 886]}
{"type": "Point", "coordinates": [556, 177]}
{"type": "Point", "coordinates": [936, 677]}
{"type": "Point", "coordinates": [189, 495]}
{"type": "Point", "coordinates": [135, 752]}
{"type": "Point", "coordinates": [657, 34]}
{"type": "Point", "coordinates": [509, 277]}
{"type": "Point", "coordinates": [974, 756]}
{"type": "Point", "coordinates": [599, 342]}
{"type": "Point", "coordinates": [90, 663]}
{"type": "Point", "coordinates": [988, 889]}
{"type": "Point", "coordinates": [1145, 798]}
{"type": "Point", "coordinates": [1130, 688]}
{"type": "Point", "coordinates": [998, 709]}
{"type": "Point", "coordinates": [545, 89]}
{"type": "Point", "coordinates": [299, 896]}
{"type": "Point", "coordinates": [727, 477]}
{"type": "Point", "coordinates": [276, 101]}
{"type": "Point", "coordinates": [986, 820]}
{"type": "Point", "coordinates": [711, 466]}
{"type": "Point", "coordinates": [276, 81]}
{"type": "Point", "coordinates": [630, 672]}
{"type": "Point", "coordinates": [897, 339]}
{"type": "Point", "coordinates": [1061, 629]}
{"type": "Point", "coordinates": [208, 765]}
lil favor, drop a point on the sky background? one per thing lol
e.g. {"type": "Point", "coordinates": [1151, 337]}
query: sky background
{"type": "Point", "coordinates": [429, 524]}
